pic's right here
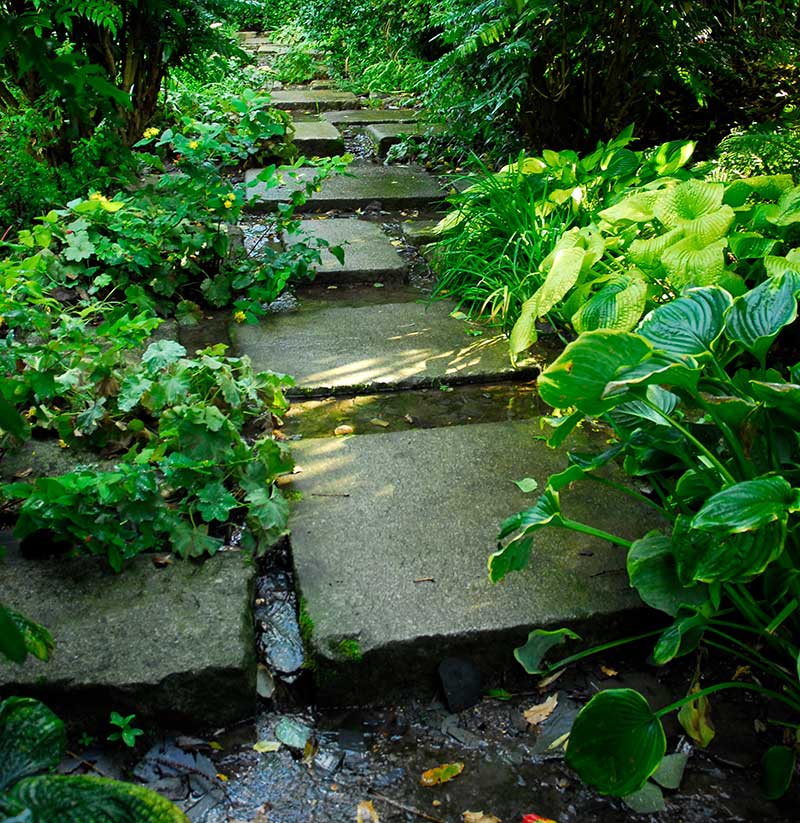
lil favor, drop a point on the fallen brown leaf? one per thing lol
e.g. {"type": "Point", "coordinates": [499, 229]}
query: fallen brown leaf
{"type": "Point", "coordinates": [479, 817]}
{"type": "Point", "coordinates": [608, 671]}
{"type": "Point", "coordinates": [365, 813]}
{"type": "Point", "coordinates": [162, 560]}
{"type": "Point", "coordinates": [539, 713]}
{"type": "Point", "coordinates": [441, 774]}
{"type": "Point", "coordinates": [550, 679]}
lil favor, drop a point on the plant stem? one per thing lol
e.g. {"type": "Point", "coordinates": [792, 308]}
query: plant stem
{"type": "Point", "coordinates": [621, 487]}
{"type": "Point", "coordinates": [612, 644]}
{"type": "Point", "coordinates": [575, 526]}
{"type": "Point", "coordinates": [793, 704]}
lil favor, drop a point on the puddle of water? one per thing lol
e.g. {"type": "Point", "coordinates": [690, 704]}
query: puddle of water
{"type": "Point", "coordinates": [421, 409]}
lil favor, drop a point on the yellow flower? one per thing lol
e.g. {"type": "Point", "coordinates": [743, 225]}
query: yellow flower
{"type": "Point", "coordinates": [239, 317]}
{"type": "Point", "coordinates": [151, 132]}
{"type": "Point", "coordinates": [62, 444]}
{"type": "Point", "coordinates": [95, 195]}
{"type": "Point", "coordinates": [30, 413]}
{"type": "Point", "coordinates": [194, 144]}
{"type": "Point", "coordinates": [228, 204]}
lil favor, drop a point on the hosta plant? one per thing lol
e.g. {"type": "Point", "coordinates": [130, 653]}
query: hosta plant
{"type": "Point", "coordinates": [697, 410]}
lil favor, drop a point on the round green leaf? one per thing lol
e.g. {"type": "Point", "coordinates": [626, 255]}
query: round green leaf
{"type": "Point", "coordinates": [32, 739]}
{"type": "Point", "coordinates": [777, 770]}
{"type": "Point", "coordinates": [616, 742]}
{"type": "Point", "coordinates": [692, 262]}
{"type": "Point", "coordinates": [748, 505]}
{"type": "Point", "coordinates": [688, 201]}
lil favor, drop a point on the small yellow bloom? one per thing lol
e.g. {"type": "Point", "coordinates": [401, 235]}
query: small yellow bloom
{"type": "Point", "coordinates": [30, 413]}
{"type": "Point", "coordinates": [194, 144]}
{"type": "Point", "coordinates": [62, 444]}
{"type": "Point", "coordinates": [95, 195]}
{"type": "Point", "coordinates": [239, 317]}
{"type": "Point", "coordinates": [228, 204]}
{"type": "Point", "coordinates": [151, 132]}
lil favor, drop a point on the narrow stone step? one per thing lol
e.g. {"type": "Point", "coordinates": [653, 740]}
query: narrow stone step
{"type": "Point", "coordinates": [174, 642]}
{"type": "Point", "coordinates": [390, 540]}
{"type": "Point", "coordinates": [317, 138]}
{"type": "Point", "coordinates": [386, 135]}
{"type": "Point", "coordinates": [369, 255]}
{"type": "Point", "coordinates": [364, 184]}
{"type": "Point", "coordinates": [365, 117]}
{"type": "Point", "coordinates": [353, 348]}
{"type": "Point", "coordinates": [313, 99]}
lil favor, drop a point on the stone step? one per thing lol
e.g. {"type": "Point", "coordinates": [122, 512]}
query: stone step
{"type": "Point", "coordinates": [386, 135]}
{"type": "Point", "coordinates": [390, 540]}
{"type": "Point", "coordinates": [334, 348]}
{"type": "Point", "coordinates": [369, 255]}
{"type": "Point", "coordinates": [173, 643]}
{"type": "Point", "coordinates": [317, 138]}
{"type": "Point", "coordinates": [365, 117]}
{"type": "Point", "coordinates": [364, 184]}
{"type": "Point", "coordinates": [313, 99]}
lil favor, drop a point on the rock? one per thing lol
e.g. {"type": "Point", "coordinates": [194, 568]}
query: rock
{"type": "Point", "coordinates": [328, 759]}
{"type": "Point", "coordinates": [279, 642]}
{"type": "Point", "coordinates": [292, 733]}
{"type": "Point", "coordinates": [461, 683]}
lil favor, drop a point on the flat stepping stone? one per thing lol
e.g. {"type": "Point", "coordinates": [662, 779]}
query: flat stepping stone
{"type": "Point", "coordinates": [419, 232]}
{"type": "Point", "coordinates": [175, 641]}
{"type": "Point", "coordinates": [313, 99]}
{"type": "Point", "coordinates": [394, 187]}
{"type": "Point", "coordinates": [364, 117]}
{"type": "Point", "coordinates": [355, 348]}
{"type": "Point", "coordinates": [317, 138]}
{"type": "Point", "coordinates": [390, 540]}
{"type": "Point", "coordinates": [369, 255]}
{"type": "Point", "coordinates": [386, 135]}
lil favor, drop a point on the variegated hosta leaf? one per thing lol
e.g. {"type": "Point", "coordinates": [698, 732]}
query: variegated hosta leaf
{"type": "Point", "coordinates": [647, 253]}
{"type": "Point", "coordinates": [617, 306]}
{"type": "Point", "coordinates": [635, 208]}
{"type": "Point", "coordinates": [84, 799]}
{"type": "Point", "coordinates": [775, 265]}
{"type": "Point", "coordinates": [689, 262]}
{"type": "Point", "coordinates": [788, 211]}
{"type": "Point", "coordinates": [32, 739]}
{"type": "Point", "coordinates": [688, 201]}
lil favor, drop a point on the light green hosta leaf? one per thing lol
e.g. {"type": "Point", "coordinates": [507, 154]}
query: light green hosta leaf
{"type": "Point", "coordinates": [766, 186]}
{"type": "Point", "coordinates": [530, 165]}
{"type": "Point", "coordinates": [750, 246]}
{"type": "Point", "coordinates": [690, 325]}
{"type": "Point", "coordinates": [748, 505]}
{"type": "Point", "coordinates": [758, 316]}
{"type": "Point", "coordinates": [617, 306]}
{"type": "Point", "coordinates": [635, 208]}
{"type": "Point", "coordinates": [652, 572]}
{"type": "Point", "coordinates": [32, 739]}
{"type": "Point", "coordinates": [616, 742]}
{"type": "Point", "coordinates": [84, 799]}
{"type": "Point", "coordinates": [712, 226]}
{"type": "Point", "coordinates": [788, 211]}
{"type": "Point", "coordinates": [688, 201]}
{"type": "Point", "coordinates": [579, 376]}
{"type": "Point", "coordinates": [538, 644]}
{"type": "Point", "coordinates": [647, 253]}
{"type": "Point", "coordinates": [775, 265]}
{"type": "Point", "coordinates": [690, 262]}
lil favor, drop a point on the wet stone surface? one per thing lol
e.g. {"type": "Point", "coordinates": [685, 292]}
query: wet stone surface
{"type": "Point", "coordinates": [278, 635]}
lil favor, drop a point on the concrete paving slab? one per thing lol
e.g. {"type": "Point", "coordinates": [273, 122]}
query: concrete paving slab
{"type": "Point", "coordinates": [390, 541]}
{"type": "Point", "coordinates": [369, 255]}
{"type": "Point", "coordinates": [313, 99]}
{"type": "Point", "coordinates": [329, 347]}
{"type": "Point", "coordinates": [394, 187]}
{"type": "Point", "coordinates": [419, 232]}
{"type": "Point", "coordinates": [364, 117]}
{"type": "Point", "coordinates": [175, 642]}
{"type": "Point", "coordinates": [386, 135]}
{"type": "Point", "coordinates": [317, 138]}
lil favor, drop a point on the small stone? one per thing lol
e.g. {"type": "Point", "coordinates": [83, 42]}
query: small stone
{"type": "Point", "coordinates": [461, 683]}
{"type": "Point", "coordinates": [292, 733]}
{"type": "Point", "coordinates": [343, 429]}
{"type": "Point", "coordinates": [265, 685]}
{"type": "Point", "coordinates": [328, 759]}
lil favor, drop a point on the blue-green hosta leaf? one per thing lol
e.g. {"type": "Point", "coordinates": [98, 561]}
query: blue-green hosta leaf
{"type": "Point", "coordinates": [538, 644]}
{"type": "Point", "coordinates": [788, 211]}
{"type": "Point", "coordinates": [750, 245]}
{"type": "Point", "coordinates": [162, 353]}
{"type": "Point", "coordinates": [688, 202]}
{"type": "Point", "coordinates": [692, 262]}
{"type": "Point", "coordinates": [660, 368]}
{"type": "Point", "coordinates": [616, 742]}
{"type": "Point", "coordinates": [652, 572]}
{"type": "Point", "coordinates": [748, 506]}
{"type": "Point", "coordinates": [32, 739]}
{"type": "Point", "coordinates": [619, 305]}
{"type": "Point", "coordinates": [579, 376]}
{"type": "Point", "coordinates": [758, 316]}
{"type": "Point", "coordinates": [84, 799]}
{"type": "Point", "coordinates": [776, 265]}
{"type": "Point", "coordinates": [635, 208]}
{"type": "Point", "coordinates": [690, 325]}
{"type": "Point", "coordinates": [647, 253]}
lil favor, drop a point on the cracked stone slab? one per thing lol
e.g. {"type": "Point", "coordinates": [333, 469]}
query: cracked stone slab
{"type": "Point", "coordinates": [356, 348]}
{"type": "Point", "coordinates": [390, 539]}
{"type": "Point", "coordinates": [369, 255]}
{"type": "Point", "coordinates": [365, 117]}
{"type": "Point", "coordinates": [314, 99]}
{"type": "Point", "coordinates": [394, 187]}
{"type": "Point", "coordinates": [317, 138]}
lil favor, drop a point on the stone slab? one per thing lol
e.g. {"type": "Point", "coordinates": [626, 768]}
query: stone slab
{"type": "Point", "coordinates": [419, 232]}
{"type": "Point", "coordinates": [369, 255]}
{"type": "Point", "coordinates": [317, 138]}
{"type": "Point", "coordinates": [365, 117]}
{"type": "Point", "coordinates": [390, 541]}
{"type": "Point", "coordinates": [175, 643]}
{"type": "Point", "coordinates": [394, 187]}
{"type": "Point", "coordinates": [345, 349]}
{"type": "Point", "coordinates": [313, 99]}
{"type": "Point", "coordinates": [386, 135]}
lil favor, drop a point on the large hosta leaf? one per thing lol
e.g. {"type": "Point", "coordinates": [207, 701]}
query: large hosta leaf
{"type": "Point", "coordinates": [38, 641]}
{"type": "Point", "coordinates": [647, 253]}
{"type": "Point", "coordinates": [631, 414]}
{"type": "Point", "coordinates": [782, 396]}
{"type": "Point", "coordinates": [776, 265]}
{"type": "Point", "coordinates": [579, 376]}
{"type": "Point", "coordinates": [32, 739]}
{"type": "Point", "coordinates": [748, 505]}
{"type": "Point", "coordinates": [84, 799]}
{"type": "Point", "coordinates": [766, 186]}
{"type": "Point", "coordinates": [688, 202]}
{"type": "Point", "coordinates": [750, 245]}
{"type": "Point", "coordinates": [690, 325]}
{"type": "Point", "coordinates": [788, 211]}
{"type": "Point", "coordinates": [758, 316]}
{"type": "Point", "coordinates": [692, 262]}
{"type": "Point", "coordinates": [616, 742]}
{"type": "Point", "coordinates": [635, 208]}
{"type": "Point", "coordinates": [619, 305]}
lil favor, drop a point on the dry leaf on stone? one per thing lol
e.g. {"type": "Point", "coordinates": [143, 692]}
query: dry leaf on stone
{"type": "Point", "coordinates": [343, 429]}
{"type": "Point", "coordinates": [264, 746]}
{"type": "Point", "coordinates": [539, 713]}
{"type": "Point", "coordinates": [365, 813]}
{"type": "Point", "coordinates": [559, 742]}
{"type": "Point", "coordinates": [441, 774]}
{"type": "Point", "coordinates": [549, 680]}
{"type": "Point", "coordinates": [479, 817]}
{"type": "Point", "coordinates": [608, 671]}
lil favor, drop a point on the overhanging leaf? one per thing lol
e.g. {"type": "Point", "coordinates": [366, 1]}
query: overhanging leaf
{"type": "Point", "coordinates": [539, 643]}
{"type": "Point", "coordinates": [32, 739]}
{"type": "Point", "coordinates": [748, 506]}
